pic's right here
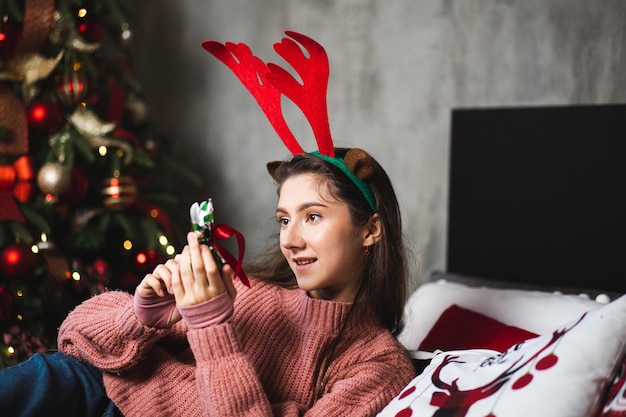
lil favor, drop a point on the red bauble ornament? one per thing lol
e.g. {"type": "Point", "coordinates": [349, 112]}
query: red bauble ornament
{"type": "Point", "coordinates": [44, 117]}
{"type": "Point", "coordinates": [7, 304]}
{"type": "Point", "coordinates": [17, 261]}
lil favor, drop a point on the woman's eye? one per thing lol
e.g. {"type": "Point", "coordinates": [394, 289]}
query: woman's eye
{"type": "Point", "coordinates": [283, 221]}
{"type": "Point", "coordinates": [313, 217]}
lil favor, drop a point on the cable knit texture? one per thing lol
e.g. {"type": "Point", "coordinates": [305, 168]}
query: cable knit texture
{"type": "Point", "coordinates": [263, 362]}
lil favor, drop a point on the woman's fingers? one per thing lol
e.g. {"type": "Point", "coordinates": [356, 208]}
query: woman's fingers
{"type": "Point", "coordinates": [199, 277]}
{"type": "Point", "coordinates": [178, 288]}
{"type": "Point", "coordinates": [159, 281]}
{"type": "Point", "coordinates": [212, 271]}
{"type": "Point", "coordinates": [227, 278]}
{"type": "Point", "coordinates": [151, 285]}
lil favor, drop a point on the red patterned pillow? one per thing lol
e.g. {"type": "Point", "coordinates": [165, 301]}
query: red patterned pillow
{"type": "Point", "coordinates": [461, 328]}
{"type": "Point", "coordinates": [565, 372]}
{"type": "Point", "coordinates": [615, 404]}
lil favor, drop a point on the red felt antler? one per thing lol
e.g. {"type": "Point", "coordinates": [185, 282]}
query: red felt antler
{"type": "Point", "coordinates": [310, 96]}
{"type": "Point", "coordinates": [266, 83]}
{"type": "Point", "coordinates": [251, 71]}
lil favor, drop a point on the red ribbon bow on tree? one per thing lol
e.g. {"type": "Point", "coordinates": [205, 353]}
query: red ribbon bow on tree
{"type": "Point", "coordinates": [15, 183]}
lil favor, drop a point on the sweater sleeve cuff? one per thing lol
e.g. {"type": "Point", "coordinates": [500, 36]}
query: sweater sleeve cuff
{"type": "Point", "coordinates": [154, 311]}
{"type": "Point", "coordinates": [213, 342]}
{"type": "Point", "coordinates": [209, 313]}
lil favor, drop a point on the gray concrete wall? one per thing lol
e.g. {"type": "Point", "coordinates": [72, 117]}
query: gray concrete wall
{"type": "Point", "coordinates": [398, 67]}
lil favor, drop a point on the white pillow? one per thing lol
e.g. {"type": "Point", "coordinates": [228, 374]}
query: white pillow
{"type": "Point", "coordinates": [535, 311]}
{"type": "Point", "coordinates": [563, 373]}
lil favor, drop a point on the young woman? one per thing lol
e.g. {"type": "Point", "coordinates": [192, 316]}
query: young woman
{"type": "Point", "coordinates": [313, 335]}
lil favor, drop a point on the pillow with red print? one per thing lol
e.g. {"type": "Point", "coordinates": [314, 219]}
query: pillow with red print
{"type": "Point", "coordinates": [462, 328]}
{"type": "Point", "coordinates": [534, 311]}
{"type": "Point", "coordinates": [615, 404]}
{"type": "Point", "coordinates": [565, 372]}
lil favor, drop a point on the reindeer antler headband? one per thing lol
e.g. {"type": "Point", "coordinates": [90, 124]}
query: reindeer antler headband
{"type": "Point", "coordinates": [267, 82]}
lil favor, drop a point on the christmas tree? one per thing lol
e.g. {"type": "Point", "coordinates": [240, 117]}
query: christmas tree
{"type": "Point", "coordinates": [90, 192]}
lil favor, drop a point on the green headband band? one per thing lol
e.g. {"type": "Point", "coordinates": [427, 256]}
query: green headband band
{"type": "Point", "coordinates": [362, 185]}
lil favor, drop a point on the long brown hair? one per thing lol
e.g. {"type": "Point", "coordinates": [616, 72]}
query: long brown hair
{"type": "Point", "coordinates": [384, 283]}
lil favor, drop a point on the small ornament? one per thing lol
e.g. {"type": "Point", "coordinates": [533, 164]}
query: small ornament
{"type": "Point", "coordinates": [119, 192]}
{"type": "Point", "coordinates": [90, 29]}
{"type": "Point", "coordinates": [126, 34]}
{"type": "Point", "coordinates": [7, 304]}
{"type": "Point", "coordinates": [202, 219]}
{"type": "Point", "coordinates": [71, 87]}
{"type": "Point", "coordinates": [53, 178]}
{"type": "Point", "coordinates": [44, 117]}
{"type": "Point", "coordinates": [17, 261]}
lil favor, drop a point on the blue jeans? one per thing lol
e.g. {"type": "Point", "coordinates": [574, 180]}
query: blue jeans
{"type": "Point", "coordinates": [53, 384]}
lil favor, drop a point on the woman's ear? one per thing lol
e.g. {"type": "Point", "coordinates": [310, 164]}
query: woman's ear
{"type": "Point", "coordinates": [372, 230]}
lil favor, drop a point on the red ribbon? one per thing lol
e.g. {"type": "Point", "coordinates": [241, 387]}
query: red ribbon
{"type": "Point", "coordinates": [13, 119]}
{"type": "Point", "coordinates": [37, 25]}
{"type": "Point", "coordinates": [222, 232]}
{"type": "Point", "coordinates": [15, 183]}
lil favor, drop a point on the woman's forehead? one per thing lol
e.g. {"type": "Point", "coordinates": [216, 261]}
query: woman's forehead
{"type": "Point", "coordinates": [305, 187]}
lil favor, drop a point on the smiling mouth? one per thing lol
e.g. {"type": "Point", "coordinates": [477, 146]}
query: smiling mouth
{"type": "Point", "coordinates": [304, 261]}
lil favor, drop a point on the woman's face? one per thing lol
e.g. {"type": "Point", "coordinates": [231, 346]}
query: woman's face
{"type": "Point", "coordinates": [324, 249]}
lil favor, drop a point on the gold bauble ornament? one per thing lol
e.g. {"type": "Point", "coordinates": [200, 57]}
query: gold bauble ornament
{"type": "Point", "coordinates": [53, 178]}
{"type": "Point", "coordinates": [71, 87]}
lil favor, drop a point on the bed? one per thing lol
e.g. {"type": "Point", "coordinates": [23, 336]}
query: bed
{"type": "Point", "coordinates": [528, 318]}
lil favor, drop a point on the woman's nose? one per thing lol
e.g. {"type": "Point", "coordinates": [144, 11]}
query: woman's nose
{"type": "Point", "coordinates": [291, 237]}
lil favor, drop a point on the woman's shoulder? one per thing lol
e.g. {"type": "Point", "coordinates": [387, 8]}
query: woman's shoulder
{"type": "Point", "coordinates": [376, 341]}
{"type": "Point", "coordinates": [107, 299]}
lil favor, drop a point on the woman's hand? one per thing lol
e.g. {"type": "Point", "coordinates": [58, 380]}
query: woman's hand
{"type": "Point", "coordinates": [159, 282]}
{"type": "Point", "coordinates": [199, 278]}
{"type": "Point", "coordinates": [154, 297]}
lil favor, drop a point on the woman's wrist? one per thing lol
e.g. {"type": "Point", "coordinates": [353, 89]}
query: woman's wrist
{"type": "Point", "coordinates": [214, 311]}
{"type": "Point", "coordinates": [154, 311]}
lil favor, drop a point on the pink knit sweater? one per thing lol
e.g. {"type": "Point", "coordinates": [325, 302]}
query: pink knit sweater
{"type": "Point", "coordinates": [264, 362]}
